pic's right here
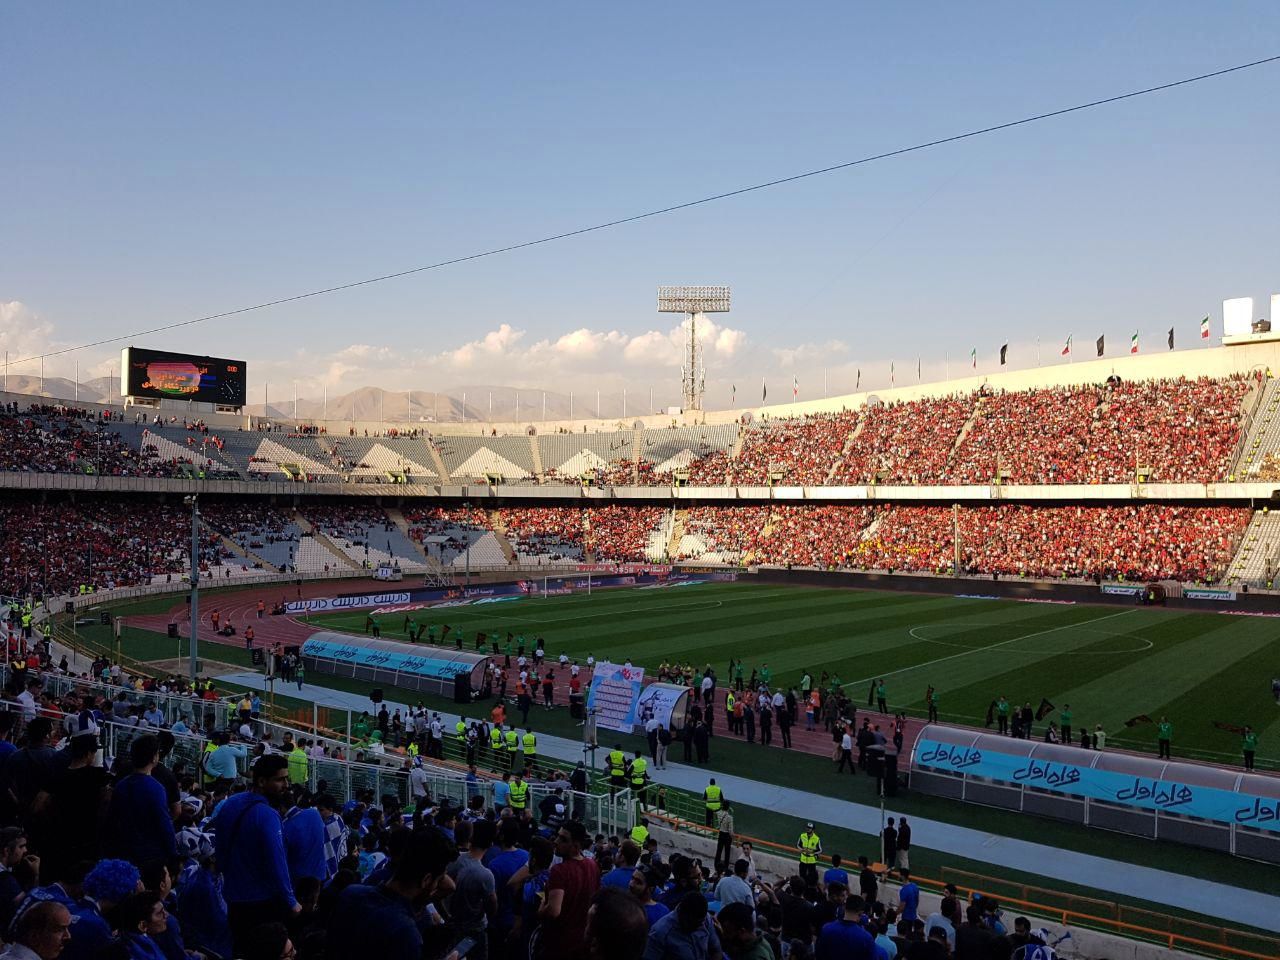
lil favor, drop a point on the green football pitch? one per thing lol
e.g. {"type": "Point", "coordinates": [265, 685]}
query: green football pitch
{"type": "Point", "coordinates": [1110, 663]}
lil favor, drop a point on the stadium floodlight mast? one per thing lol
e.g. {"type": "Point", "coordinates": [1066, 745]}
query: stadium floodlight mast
{"type": "Point", "coordinates": [694, 301]}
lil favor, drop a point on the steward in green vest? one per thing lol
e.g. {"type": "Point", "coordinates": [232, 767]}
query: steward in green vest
{"type": "Point", "coordinates": [639, 834]}
{"type": "Point", "coordinates": [529, 743]}
{"type": "Point", "coordinates": [495, 738]}
{"type": "Point", "coordinates": [519, 794]}
{"type": "Point", "coordinates": [639, 778]}
{"type": "Point", "coordinates": [713, 800]}
{"type": "Point", "coordinates": [617, 770]}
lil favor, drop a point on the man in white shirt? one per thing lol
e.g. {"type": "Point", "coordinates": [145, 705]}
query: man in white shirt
{"type": "Point", "coordinates": [28, 700]}
{"type": "Point", "coordinates": [417, 780]}
{"type": "Point", "coordinates": [734, 888]}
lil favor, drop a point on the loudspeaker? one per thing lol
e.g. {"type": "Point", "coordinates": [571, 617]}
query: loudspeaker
{"type": "Point", "coordinates": [258, 658]}
{"type": "Point", "coordinates": [173, 631]}
{"type": "Point", "coordinates": [376, 695]}
{"type": "Point", "coordinates": [69, 607]}
{"type": "Point", "coordinates": [462, 688]}
{"type": "Point", "coordinates": [104, 618]}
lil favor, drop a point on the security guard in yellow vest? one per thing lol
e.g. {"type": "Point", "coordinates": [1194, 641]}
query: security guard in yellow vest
{"type": "Point", "coordinates": [639, 778]}
{"type": "Point", "coordinates": [495, 739]}
{"type": "Point", "coordinates": [460, 730]}
{"type": "Point", "coordinates": [713, 798]}
{"type": "Point", "coordinates": [26, 625]}
{"type": "Point", "coordinates": [640, 833]}
{"type": "Point", "coordinates": [529, 743]}
{"type": "Point", "coordinates": [810, 847]}
{"type": "Point", "coordinates": [513, 747]}
{"type": "Point", "coordinates": [519, 794]}
{"type": "Point", "coordinates": [617, 770]}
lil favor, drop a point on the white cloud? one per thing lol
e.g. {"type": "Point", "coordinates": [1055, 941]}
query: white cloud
{"type": "Point", "coordinates": [22, 333]}
{"type": "Point", "coordinates": [810, 354]}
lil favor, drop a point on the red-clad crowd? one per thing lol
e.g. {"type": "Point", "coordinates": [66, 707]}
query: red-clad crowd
{"type": "Point", "coordinates": [802, 450]}
{"type": "Point", "coordinates": [49, 441]}
{"type": "Point", "coordinates": [543, 530]}
{"type": "Point", "coordinates": [728, 530]}
{"type": "Point", "coordinates": [618, 534]}
{"type": "Point", "coordinates": [905, 443]}
{"type": "Point", "coordinates": [48, 549]}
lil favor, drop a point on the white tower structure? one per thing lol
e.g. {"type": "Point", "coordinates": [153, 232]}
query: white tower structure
{"type": "Point", "coordinates": [693, 301]}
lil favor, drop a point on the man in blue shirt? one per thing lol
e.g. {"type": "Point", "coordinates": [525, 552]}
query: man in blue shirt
{"type": "Point", "coordinates": [686, 933]}
{"type": "Point", "coordinates": [836, 874]}
{"type": "Point", "coordinates": [620, 875]}
{"type": "Point", "coordinates": [380, 921]}
{"type": "Point", "coordinates": [304, 842]}
{"type": "Point", "coordinates": [503, 867]}
{"type": "Point", "coordinates": [139, 827]}
{"type": "Point", "coordinates": [909, 898]}
{"type": "Point", "coordinates": [844, 939]}
{"type": "Point", "coordinates": [249, 844]}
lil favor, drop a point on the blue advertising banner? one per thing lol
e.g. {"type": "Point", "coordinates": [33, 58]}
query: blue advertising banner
{"type": "Point", "coordinates": [614, 695]}
{"type": "Point", "coordinates": [434, 667]}
{"type": "Point", "coordinates": [1167, 796]}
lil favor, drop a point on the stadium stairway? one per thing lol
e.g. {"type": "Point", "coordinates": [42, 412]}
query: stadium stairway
{"type": "Point", "coordinates": [499, 525]}
{"type": "Point", "coordinates": [396, 516]}
{"type": "Point", "coordinates": [637, 450]}
{"type": "Point", "coordinates": [964, 431]}
{"type": "Point", "coordinates": [1262, 436]}
{"type": "Point", "coordinates": [537, 470]}
{"type": "Point", "coordinates": [680, 518]}
{"type": "Point", "coordinates": [838, 462]}
{"type": "Point", "coordinates": [340, 558]}
{"type": "Point", "coordinates": [438, 460]}
{"type": "Point", "coordinates": [736, 450]}
{"type": "Point", "coordinates": [1256, 557]}
{"type": "Point", "coordinates": [238, 550]}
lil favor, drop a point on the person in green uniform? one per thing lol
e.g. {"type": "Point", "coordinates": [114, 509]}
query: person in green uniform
{"type": "Point", "coordinates": [933, 705]}
{"type": "Point", "coordinates": [766, 676]}
{"type": "Point", "coordinates": [880, 697]}
{"type": "Point", "coordinates": [737, 675]}
{"type": "Point", "coordinates": [1164, 737]}
{"type": "Point", "coordinates": [1248, 744]}
{"type": "Point", "coordinates": [1002, 714]}
{"type": "Point", "coordinates": [1064, 722]}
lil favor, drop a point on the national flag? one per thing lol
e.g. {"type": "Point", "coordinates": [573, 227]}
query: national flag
{"type": "Point", "coordinates": [1228, 727]}
{"type": "Point", "coordinates": [892, 378]}
{"type": "Point", "coordinates": [1045, 709]}
{"type": "Point", "coordinates": [1140, 718]}
{"type": "Point", "coordinates": [1171, 338]}
{"type": "Point", "coordinates": [764, 391]}
{"type": "Point", "coordinates": [1133, 342]}
{"type": "Point", "coordinates": [733, 394]}
{"type": "Point", "coordinates": [795, 387]}
{"type": "Point", "coordinates": [1102, 344]}
{"type": "Point", "coordinates": [858, 384]}
{"type": "Point", "coordinates": [918, 375]}
{"type": "Point", "coordinates": [991, 713]}
{"type": "Point", "coordinates": [1204, 329]}
{"type": "Point", "coordinates": [1066, 348]}
{"type": "Point", "coordinates": [973, 358]}
{"type": "Point", "coordinates": [1004, 354]}
{"type": "Point", "coordinates": [871, 693]}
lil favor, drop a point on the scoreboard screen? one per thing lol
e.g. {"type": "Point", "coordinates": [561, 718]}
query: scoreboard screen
{"type": "Point", "coordinates": [161, 375]}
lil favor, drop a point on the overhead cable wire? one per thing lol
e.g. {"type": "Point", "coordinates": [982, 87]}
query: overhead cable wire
{"type": "Point", "coordinates": [673, 208]}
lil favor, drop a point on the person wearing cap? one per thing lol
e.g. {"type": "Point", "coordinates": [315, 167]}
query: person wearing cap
{"type": "Point", "coordinates": [810, 848]}
{"type": "Point", "coordinates": [105, 886]}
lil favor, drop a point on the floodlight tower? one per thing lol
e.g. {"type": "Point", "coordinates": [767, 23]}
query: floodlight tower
{"type": "Point", "coordinates": [694, 301]}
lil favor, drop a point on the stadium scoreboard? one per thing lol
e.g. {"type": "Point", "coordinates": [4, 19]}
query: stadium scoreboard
{"type": "Point", "coordinates": [160, 375]}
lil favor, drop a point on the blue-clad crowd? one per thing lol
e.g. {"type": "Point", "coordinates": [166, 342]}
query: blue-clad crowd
{"type": "Point", "coordinates": [148, 856]}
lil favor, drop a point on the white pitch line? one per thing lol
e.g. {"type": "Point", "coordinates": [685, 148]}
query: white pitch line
{"type": "Point", "coordinates": [956, 656]}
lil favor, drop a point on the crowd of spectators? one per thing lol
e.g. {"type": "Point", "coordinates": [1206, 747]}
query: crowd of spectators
{"type": "Point", "coordinates": [48, 549]}
{"type": "Point", "coordinates": [801, 450]}
{"type": "Point", "coordinates": [618, 534]}
{"type": "Point", "coordinates": [555, 533]}
{"type": "Point", "coordinates": [726, 532]}
{"type": "Point", "coordinates": [59, 440]}
{"type": "Point", "coordinates": [355, 523]}
{"type": "Point", "coordinates": [904, 443]}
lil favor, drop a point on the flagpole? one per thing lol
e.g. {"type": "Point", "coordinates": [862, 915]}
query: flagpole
{"type": "Point", "coordinates": [1037, 351]}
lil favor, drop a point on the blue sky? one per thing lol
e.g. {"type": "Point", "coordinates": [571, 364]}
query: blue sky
{"type": "Point", "coordinates": [165, 161]}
